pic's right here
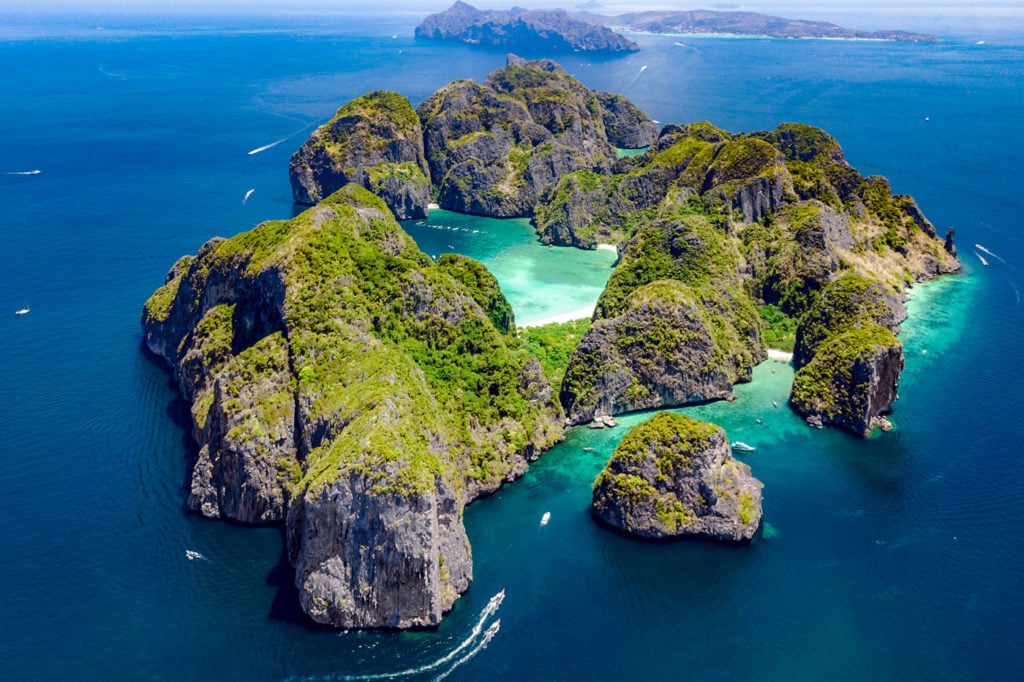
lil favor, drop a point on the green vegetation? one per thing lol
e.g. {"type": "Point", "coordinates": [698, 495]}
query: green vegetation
{"type": "Point", "coordinates": [849, 301]}
{"type": "Point", "coordinates": [780, 329]}
{"type": "Point", "coordinates": [553, 344]}
{"type": "Point", "coordinates": [482, 286]}
{"type": "Point", "coordinates": [671, 438]}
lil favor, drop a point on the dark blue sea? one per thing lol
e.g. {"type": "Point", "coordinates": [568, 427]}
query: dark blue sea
{"type": "Point", "coordinates": [896, 558]}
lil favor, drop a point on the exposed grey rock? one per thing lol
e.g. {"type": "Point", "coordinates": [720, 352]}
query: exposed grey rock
{"type": "Point", "coordinates": [374, 141]}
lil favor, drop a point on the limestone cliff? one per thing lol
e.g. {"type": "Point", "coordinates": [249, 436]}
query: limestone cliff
{"type": "Point", "coordinates": [494, 149]}
{"type": "Point", "coordinates": [672, 476]}
{"type": "Point", "coordinates": [374, 141]}
{"type": "Point", "coordinates": [343, 384]}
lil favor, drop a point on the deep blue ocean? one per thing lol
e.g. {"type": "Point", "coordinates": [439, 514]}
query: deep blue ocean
{"type": "Point", "coordinates": [896, 558]}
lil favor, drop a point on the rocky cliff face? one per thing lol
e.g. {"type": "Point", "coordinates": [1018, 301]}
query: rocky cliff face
{"type": "Point", "coordinates": [542, 30]}
{"type": "Point", "coordinates": [673, 476]}
{"type": "Point", "coordinates": [495, 149]}
{"type": "Point", "coordinates": [343, 383]}
{"type": "Point", "coordinates": [374, 141]}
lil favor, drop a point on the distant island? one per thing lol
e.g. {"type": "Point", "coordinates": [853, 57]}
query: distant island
{"type": "Point", "coordinates": [747, 24]}
{"type": "Point", "coordinates": [558, 30]}
{"type": "Point", "coordinates": [551, 31]}
{"type": "Point", "coordinates": [351, 389]}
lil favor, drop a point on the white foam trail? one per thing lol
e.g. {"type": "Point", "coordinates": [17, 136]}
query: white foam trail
{"type": "Point", "coordinates": [979, 246]}
{"type": "Point", "coordinates": [268, 146]}
{"type": "Point", "coordinates": [981, 258]}
{"type": "Point", "coordinates": [488, 611]}
{"type": "Point", "coordinates": [642, 69]}
{"type": "Point", "coordinates": [31, 172]}
{"type": "Point", "coordinates": [488, 636]}
{"type": "Point", "coordinates": [247, 195]}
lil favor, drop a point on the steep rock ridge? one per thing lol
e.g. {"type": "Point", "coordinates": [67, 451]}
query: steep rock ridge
{"type": "Point", "coordinates": [374, 141]}
{"type": "Point", "coordinates": [673, 476]}
{"type": "Point", "coordinates": [673, 325]}
{"type": "Point", "coordinates": [495, 149]}
{"type": "Point", "coordinates": [742, 178]}
{"type": "Point", "coordinates": [543, 30]}
{"type": "Point", "coordinates": [347, 386]}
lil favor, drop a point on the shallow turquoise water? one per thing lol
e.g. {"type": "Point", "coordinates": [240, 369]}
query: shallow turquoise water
{"type": "Point", "coordinates": [890, 559]}
{"type": "Point", "coordinates": [540, 282]}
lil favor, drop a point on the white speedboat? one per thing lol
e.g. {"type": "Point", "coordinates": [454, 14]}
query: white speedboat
{"type": "Point", "coordinates": [544, 519]}
{"type": "Point", "coordinates": [741, 446]}
{"type": "Point", "coordinates": [23, 311]}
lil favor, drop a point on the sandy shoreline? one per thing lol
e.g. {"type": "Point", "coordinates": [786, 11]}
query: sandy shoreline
{"type": "Point", "coordinates": [578, 314]}
{"type": "Point", "coordinates": [780, 355]}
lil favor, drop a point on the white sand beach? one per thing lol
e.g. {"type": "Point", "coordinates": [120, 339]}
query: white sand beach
{"type": "Point", "coordinates": [578, 314]}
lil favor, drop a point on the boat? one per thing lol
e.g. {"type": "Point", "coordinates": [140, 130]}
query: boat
{"type": "Point", "coordinates": [544, 519]}
{"type": "Point", "coordinates": [23, 311]}
{"type": "Point", "coordinates": [588, 449]}
{"type": "Point", "coordinates": [609, 421]}
{"type": "Point", "coordinates": [192, 555]}
{"type": "Point", "coordinates": [741, 446]}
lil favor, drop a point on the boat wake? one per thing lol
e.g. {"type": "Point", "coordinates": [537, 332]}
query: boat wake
{"type": "Point", "coordinates": [270, 146]}
{"type": "Point", "coordinates": [982, 248]}
{"type": "Point", "coordinates": [247, 195]}
{"type": "Point", "coordinates": [31, 172]}
{"type": "Point", "coordinates": [981, 258]}
{"type": "Point", "coordinates": [642, 69]}
{"type": "Point", "coordinates": [478, 639]}
{"type": "Point", "coordinates": [488, 636]}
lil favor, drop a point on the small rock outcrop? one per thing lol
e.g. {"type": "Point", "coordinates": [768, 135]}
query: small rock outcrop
{"type": "Point", "coordinates": [625, 123]}
{"type": "Point", "coordinates": [374, 141]}
{"type": "Point", "coordinates": [344, 385]}
{"type": "Point", "coordinates": [545, 31]}
{"type": "Point", "coordinates": [673, 477]}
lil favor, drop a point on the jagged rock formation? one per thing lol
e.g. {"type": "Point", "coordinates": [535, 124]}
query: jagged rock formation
{"type": "Point", "coordinates": [495, 148]}
{"type": "Point", "coordinates": [746, 23]}
{"type": "Point", "coordinates": [343, 384]}
{"type": "Point", "coordinates": [374, 141]}
{"type": "Point", "coordinates": [673, 476]}
{"type": "Point", "coordinates": [548, 31]}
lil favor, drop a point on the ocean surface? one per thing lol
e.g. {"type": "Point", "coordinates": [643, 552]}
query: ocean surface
{"type": "Point", "coordinates": [895, 558]}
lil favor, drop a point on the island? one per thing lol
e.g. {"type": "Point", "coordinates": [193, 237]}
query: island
{"type": "Point", "coordinates": [358, 393]}
{"type": "Point", "coordinates": [746, 24]}
{"type": "Point", "coordinates": [674, 477]}
{"type": "Point", "coordinates": [549, 31]}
